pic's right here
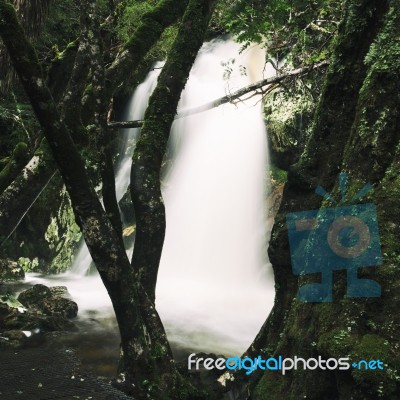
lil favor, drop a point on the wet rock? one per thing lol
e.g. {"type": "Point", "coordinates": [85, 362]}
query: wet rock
{"type": "Point", "coordinates": [10, 270]}
{"type": "Point", "coordinates": [33, 320]}
{"type": "Point", "coordinates": [34, 295]}
{"type": "Point", "coordinates": [43, 298]}
{"type": "Point", "coordinates": [5, 310]}
{"type": "Point", "coordinates": [38, 310]}
{"type": "Point", "coordinates": [12, 339]}
{"type": "Point", "coordinates": [59, 305]}
{"type": "Point", "coordinates": [61, 291]}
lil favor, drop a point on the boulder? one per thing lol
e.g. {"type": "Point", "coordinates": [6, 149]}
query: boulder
{"type": "Point", "coordinates": [12, 339]}
{"type": "Point", "coordinates": [60, 291]}
{"type": "Point", "coordinates": [35, 295]}
{"type": "Point", "coordinates": [10, 270]}
{"type": "Point", "coordinates": [46, 311]}
{"type": "Point", "coordinates": [43, 299]}
{"type": "Point", "coordinates": [59, 306]}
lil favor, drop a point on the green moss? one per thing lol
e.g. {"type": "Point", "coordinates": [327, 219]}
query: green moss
{"type": "Point", "coordinates": [336, 343]}
{"type": "Point", "coordinates": [380, 382]}
{"type": "Point", "coordinates": [68, 50]}
{"type": "Point", "coordinates": [372, 347]}
{"type": "Point", "coordinates": [272, 386]}
{"type": "Point", "coordinates": [20, 152]}
{"type": "Point", "coordinates": [62, 236]}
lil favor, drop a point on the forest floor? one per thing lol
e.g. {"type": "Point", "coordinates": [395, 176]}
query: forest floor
{"type": "Point", "coordinates": [47, 372]}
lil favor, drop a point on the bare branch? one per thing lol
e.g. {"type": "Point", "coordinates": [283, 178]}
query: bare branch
{"type": "Point", "coordinates": [230, 97]}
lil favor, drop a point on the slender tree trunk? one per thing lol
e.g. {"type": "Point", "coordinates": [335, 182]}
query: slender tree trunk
{"type": "Point", "coordinates": [166, 13]}
{"type": "Point", "coordinates": [151, 147]}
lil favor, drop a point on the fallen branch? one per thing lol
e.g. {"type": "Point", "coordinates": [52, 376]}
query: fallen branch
{"type": "Point", "coordinates": [125, 124]}
{"type": "Point", "coordinates": [230, 97]}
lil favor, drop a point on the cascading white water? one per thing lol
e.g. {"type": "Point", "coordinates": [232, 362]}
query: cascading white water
{"type": "Point", "coordinates": [135, 111]}
{"type": "Point", "coordinates": [215, 287]}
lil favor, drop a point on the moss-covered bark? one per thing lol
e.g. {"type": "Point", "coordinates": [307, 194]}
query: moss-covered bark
{"type": "Point", "coordinates": [150, 149]}
{"type": "Point", "coordinates": [146, 369]}
{"type": "Point", "coordinates": [14, 165]}
{"type": "Point", "coordinates": [19, 195]}
{"type": "Point", "coordinates": [103, 138]}
{"type": "Point", "coordinates": [166, 13]}
{"type": "Point", "coordinates": [356, 129]}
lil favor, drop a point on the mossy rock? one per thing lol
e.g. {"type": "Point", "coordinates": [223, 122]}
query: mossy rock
{"type": "Point", "coordinates": [42, 298]}
{"type": "Point", "coordinates": [34, 295]}
{"type": "Point", "coordinates": [10, 271]}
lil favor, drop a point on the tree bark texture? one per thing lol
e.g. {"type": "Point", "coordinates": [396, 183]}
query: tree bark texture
{"type": "Point", "coordinates": [146, 365]}
{"type": "Point", "coordinates": [151, 147]}
{"type": "Point", "coordinates": [166, 13]}
{"type": "Point", "coordinates": [356, 130]}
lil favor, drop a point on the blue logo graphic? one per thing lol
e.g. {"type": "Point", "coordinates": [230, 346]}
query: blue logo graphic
{"type": "Point", "coordinates": [331, 239]}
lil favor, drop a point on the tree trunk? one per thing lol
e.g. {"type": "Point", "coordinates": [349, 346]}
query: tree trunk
{"type": "Point", "coordinates": [20, 195]}
{"type": "Point", "coordinates": [146, 365]}
{"type": "Point", "coordinates": [356, 130]}
{"type": "Point", "coordinates": [166, 13]}
{"type": "Point", "coordinates": [151, 147]}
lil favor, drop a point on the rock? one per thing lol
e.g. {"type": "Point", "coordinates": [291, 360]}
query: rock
{"type": "Point", "coordinates": [34, 295]}
{"type": "Point", "coordinates": [46, 311]}
{"type": "Point", "coordinates": [12, 339]}
{"type": "Point", "coordinates": [59, 305]}
{"type": "Point", "coordinates": [43, 298]}
{"type": "Point", "coordinates": [32, 320]}
{"type": "Point", "coordinates": [5, 310]}
{"type": "Point", "coordinates": [61, 291]}
{"type": "Point", "coordinates": [10, 270]}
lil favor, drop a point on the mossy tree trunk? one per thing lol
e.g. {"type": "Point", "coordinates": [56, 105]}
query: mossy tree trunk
{"type": "Point", "coordinates": [356, 130]}
{"type": "Point", "coordinates": [151, 147]}
{"type": "Point", "coordinates": [146, 366]}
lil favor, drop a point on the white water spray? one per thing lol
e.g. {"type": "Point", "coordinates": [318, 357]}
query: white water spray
{"type": "Point", "coordinates": [214, 287]}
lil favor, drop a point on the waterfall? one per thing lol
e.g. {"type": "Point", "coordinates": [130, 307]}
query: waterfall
{"type": "Point", "coordinates": [215, 288]}
{"type": "Point", "coordinates": [215, 285]}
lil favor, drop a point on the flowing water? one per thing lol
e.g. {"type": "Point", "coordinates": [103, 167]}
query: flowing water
{"type": "Point", "coordinates": [215, 284]}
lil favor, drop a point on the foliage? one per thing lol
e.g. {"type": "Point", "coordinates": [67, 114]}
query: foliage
{"type": "Point", "coordinates": [63, 236]}
{"type": "Point", "coordinates": [285, 112]}
{"type": "Point", "coordinates": [302, 30]}
{"type": "Point", "coordinates": [27, 264]}
{"type": "Point", "coordinates": [294, 33]}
